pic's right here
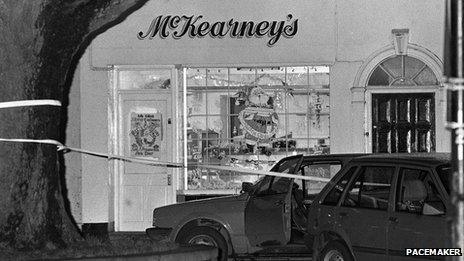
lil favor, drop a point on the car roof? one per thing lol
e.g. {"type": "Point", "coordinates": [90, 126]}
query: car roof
{"type": "Point", "coordinates": [424, 159]}
{"type": "Point", "coordinates": [328, 157]}
{"type": "Point", "coordinates": [337, 155]}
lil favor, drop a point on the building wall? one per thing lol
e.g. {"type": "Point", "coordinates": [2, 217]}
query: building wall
{"type": "Point", "coordinates": [73, 161]}
{"type": "Point", "coordinates": [342, 127]}
{"type": "Point", "coordinates": [339, 33]}
{"type": "Point", "coordinates": [94, 137]}
{"type": "Point", "coordinates": [316, 34]}
{"type": "Point", "coordinates": [364, 26]}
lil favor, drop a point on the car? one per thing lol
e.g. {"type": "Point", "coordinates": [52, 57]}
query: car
{"type": "Point", "coordinates": [269, 214]}
{"type": "Point", "coordinates": [379, 205]}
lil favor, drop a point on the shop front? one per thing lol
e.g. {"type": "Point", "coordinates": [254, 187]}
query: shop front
{"type": "Point", "coordinates": [243, 85]}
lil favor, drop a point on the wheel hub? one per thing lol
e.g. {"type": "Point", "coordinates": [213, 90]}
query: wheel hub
{"type": "Point", "coordinates": [202, 240]}
{"type": "Point", "coordinates": [333, 255]}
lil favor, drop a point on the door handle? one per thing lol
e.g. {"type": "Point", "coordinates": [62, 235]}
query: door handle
{"type": "Point", "coordinates": [343, 214]}
{"type": "Point", "coordinates": [393, 219]}
{"type": "Point", "coordinates": [279, 203]}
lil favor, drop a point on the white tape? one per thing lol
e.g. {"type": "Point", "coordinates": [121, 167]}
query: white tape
{"type": "Point", "coordinates": [261, 172]}
{"type": "Point", "coordinates": [152, 162]}
{"type": "Point", "coordinates": [25, 103]}
{"type": "Point", "coordinates": [146, 161]}
{"type": "Point", "coordinates": [52, 142]}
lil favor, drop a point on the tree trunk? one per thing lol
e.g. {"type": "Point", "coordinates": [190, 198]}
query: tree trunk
{"type": "Point", "coordinates": [41, 42]}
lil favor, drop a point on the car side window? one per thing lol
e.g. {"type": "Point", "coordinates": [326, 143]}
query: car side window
{"type": "Point", "coordinates": [263, 185]}
{"type": "Point", "coordinates": [287, 166]}
{"type": "Point", "coordinates": [280, 185]}
{"type": "Point", "coordinates": [334, 195]}
{"type": "Point", "coordinates": [271, 185]}
{"type": "Point", "coordinates": [370, 188]}
{"type": "Point", "coordinates": [275, 185]}
{"type": "Point", "coordinates": [417, 193]}
{"type": "Point", "coordinates": [319, 170]}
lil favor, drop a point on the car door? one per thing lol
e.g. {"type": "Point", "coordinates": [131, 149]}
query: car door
{"type": "Point", "coordinates": [267, 214]}
{"type": "Point", "coordinates": [363, 211]}
{"type": "Point", "coordinates": [419, 216]}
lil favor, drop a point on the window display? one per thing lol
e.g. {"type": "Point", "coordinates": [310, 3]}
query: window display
{"type": "Point", "coordinates": [251, 118]}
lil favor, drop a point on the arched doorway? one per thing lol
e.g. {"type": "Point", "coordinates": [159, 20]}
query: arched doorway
{"type": "Point", "coordinates": [403, 99]}
{"type": "Point", "coordinates": [403, 121]}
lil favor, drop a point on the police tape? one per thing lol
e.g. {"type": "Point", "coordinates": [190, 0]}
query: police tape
{"type": "Point", "coordinates": [154, 162]}
{"type": "Point", "coordinates": [27, 103]}
{"type": "Point", "coordinates": [145, 161]}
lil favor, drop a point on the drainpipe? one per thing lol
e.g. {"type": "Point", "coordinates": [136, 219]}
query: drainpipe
{"type": "Point", "coordinates": [454, 81]}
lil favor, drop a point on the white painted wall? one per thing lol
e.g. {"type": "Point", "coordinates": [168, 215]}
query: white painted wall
{"type": "Point", "coordinates": [314, 42]}
{"type": "Point", "coordinates": [340, 33]}
{"type": "Point", "coordinates": [342, 128]}
{"type": "Point", "coordinates": [364, 26]}
{"type": "Point", "coordinates": [73, 161]}
{"type": "Point", "coordinates": [94, 137]}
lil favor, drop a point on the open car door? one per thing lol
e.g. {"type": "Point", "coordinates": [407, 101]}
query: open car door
{"type": "Point", "coordinates": [268, 211]}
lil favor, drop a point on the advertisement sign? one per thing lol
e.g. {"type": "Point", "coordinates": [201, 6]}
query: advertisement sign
{"type": "Point", "coordinates": [146, 134]}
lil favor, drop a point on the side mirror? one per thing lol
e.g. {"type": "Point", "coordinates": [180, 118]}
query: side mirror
{"type": "Point", "coordinates": [247, 186]}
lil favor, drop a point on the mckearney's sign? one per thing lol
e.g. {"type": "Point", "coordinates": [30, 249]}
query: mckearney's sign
{"type": "Point", "coordinates": [193, 26]}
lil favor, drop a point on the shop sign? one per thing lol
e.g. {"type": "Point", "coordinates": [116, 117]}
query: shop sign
{"type": "Point", "coordinates": [194, 27]}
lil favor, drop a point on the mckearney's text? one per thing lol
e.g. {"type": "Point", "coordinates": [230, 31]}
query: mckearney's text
{"type": "Point", "coordinates": [193, 26]}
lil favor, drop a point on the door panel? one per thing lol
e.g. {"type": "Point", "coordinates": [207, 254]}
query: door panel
{"type": "Point", "coordinates": [403, 122]}
{"type": "Point", "coordinates": [144, 133]}
{"type": "Point", "coordinates": [364, 211]}
{"type": "Point", "coordinates": [415, 231]}
{"type": "Point", "coordinates": [268, 211]}
{"type": "Point", "coordinates": [409, 225]}
{"type": "Point", "coordinates": [367, 231]}
{"type": "Point", "coordinates": [267, 220]}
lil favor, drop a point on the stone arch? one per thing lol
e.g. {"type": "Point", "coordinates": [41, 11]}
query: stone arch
{"type": "Point", "coordinates": [415, 51]}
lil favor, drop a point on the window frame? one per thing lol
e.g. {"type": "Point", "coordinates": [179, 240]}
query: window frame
{"type": "Point", "coordinates": [265, 192]}
{"type": "Point", "coordinates": [361, 167]}
{"type": "Point", "coordinates": [335, 181]}
{"type": "Point", "coordinates": [402, 78]}
{"type": "Point", "coordinates": [437, 182]}
{"type": "Point", "coordinates": [311, 89]}
{"type": "Point", "coordinates": [317, 162]}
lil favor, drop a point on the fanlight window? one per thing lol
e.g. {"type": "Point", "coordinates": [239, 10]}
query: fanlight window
{"type": "Point", "coordinates": [402, 70]}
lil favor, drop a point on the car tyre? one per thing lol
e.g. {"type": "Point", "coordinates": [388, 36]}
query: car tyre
{"type": "Point", "coordinates": [335, 251]}
{"type": "Point", "coordinates": [206, 236]}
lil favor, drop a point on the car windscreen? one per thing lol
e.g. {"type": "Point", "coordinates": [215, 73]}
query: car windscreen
{"type": "Point", "coordinates": [444, 173]}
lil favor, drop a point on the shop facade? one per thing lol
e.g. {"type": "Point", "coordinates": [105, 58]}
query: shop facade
{"type": "Point", "coordinates": [244, 84]}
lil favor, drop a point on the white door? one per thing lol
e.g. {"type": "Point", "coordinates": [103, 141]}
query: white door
{"type": "Point", "coordinates": [145, 132]}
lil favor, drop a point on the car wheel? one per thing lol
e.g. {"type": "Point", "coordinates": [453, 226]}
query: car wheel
{"type": "Point", "coordinates": [206, 236]}
{"type": "Point", "coordinates": [335, 251]}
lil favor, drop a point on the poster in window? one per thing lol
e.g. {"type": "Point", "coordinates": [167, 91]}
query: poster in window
{"type": "Point", "coordinates": [145, 134]}
{"type": "Point", "coordinates": [259, 119]}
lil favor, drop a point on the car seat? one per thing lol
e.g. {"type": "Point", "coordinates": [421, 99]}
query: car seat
{"type": "Point", "coordinates": [414, 195]}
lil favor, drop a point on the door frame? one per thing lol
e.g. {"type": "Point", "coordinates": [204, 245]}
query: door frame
{"type": "Point", "coordinates": [370, 90]}
{"type": "Point", "coordinates": [361, 92]}
{"type": "Point", "coordinates": [115, 167]}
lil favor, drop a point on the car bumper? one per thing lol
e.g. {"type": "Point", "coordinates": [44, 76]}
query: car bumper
{"type": "Point", "coordinates": [159, 233]}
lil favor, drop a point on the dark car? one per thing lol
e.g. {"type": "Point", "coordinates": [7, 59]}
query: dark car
{"type": "Point", "coordinates": [270, 213]}
{"type": "Point", "coordinates": [378, 205]}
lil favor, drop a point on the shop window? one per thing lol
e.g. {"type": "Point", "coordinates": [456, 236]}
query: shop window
{"type": "Point", "coordinates": [251, 118]}
{"type": "Point", "coordinates": [402, 70]}
{"type": "Point", "coordinates": [144, 79]}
